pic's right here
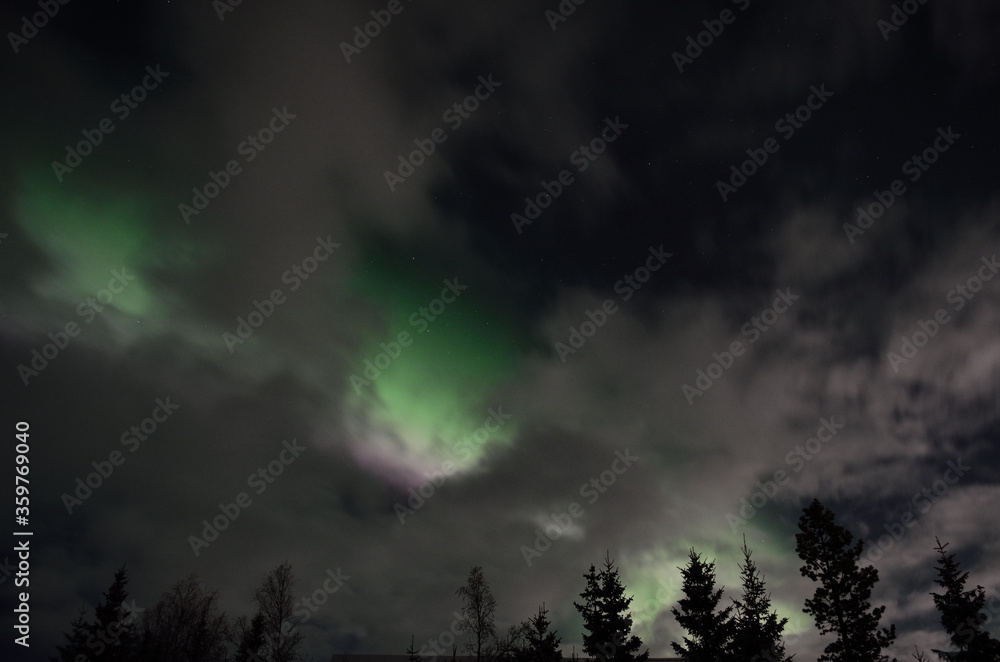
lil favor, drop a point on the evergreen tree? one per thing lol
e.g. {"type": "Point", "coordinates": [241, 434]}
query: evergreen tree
{"type": "Point", "coordinates": [960, 611]}
{"type": "Point", "coordinates": [710, 629]}
{"type": "Point", "coordinates": [477, 614]}
{"type": "Point", "coordinates": [540, 644]}
{"type": "Point", "coordinates": [76, 639]}
{"type": "Point", "coordinates": [593, 624]}
{"type": "Point", "coordinates": [114, 632]}
{"type": "Point", "coordinates": [756, 628]}
{"type": "Point", "coordinates": [412, 654]}
{"type": "Point", "coordinates": [112, 637]}
{"type": "Point", "coordinates": [841, 603]}
{"type": "Point", "coordinates": [606, 617]}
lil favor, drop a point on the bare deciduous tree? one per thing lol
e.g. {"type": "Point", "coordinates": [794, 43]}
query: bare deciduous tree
{"type": "Point", "coordinates": [185, 625]}
{"type": "Point", "coordinates": [274, 600]}
{"type": "Point", "coordinates": [478, 613]}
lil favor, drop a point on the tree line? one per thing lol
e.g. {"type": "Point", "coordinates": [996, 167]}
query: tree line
{"type": "Point", "coordinates": [748, 630]}
{"type": "Point", "coordinates": [187, 625]}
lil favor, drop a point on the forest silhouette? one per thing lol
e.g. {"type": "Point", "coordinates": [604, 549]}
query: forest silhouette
{"type": "Point", "coordinates": [187, 625]}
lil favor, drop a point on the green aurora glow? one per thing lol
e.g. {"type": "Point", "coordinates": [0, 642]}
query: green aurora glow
{"type": "Point", "coordinates": [441, 387]}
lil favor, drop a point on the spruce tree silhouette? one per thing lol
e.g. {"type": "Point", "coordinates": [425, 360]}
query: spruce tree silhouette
{"type": "Point", "coordinates": [76, 639]}
{"type": "Point", "coordinates": [756, 629]}
{"type": "Point", "coordinates": [606, 617]}
{"type": "Point", "coordinates": [412, 654]}
{"type": "Point", "coordinates": [841, 604]}
{"type": "Point", "coordinates": [540, 644]}
{"type": "Point", "coordinates": [113, 634]}
{"type": "Point", "coordinates": [710, 630]}
{"type": "Point", "coordinates": [960, 612]}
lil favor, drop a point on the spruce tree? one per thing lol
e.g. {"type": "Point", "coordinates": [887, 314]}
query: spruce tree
{"type": "Point", "coordinates": [606, 617]}
{"type": "Point", "coordinates": [114, 627]}
{"type": "Point", "coordinates": [593, 624]}
{"type": "Point", "coordinates": [960, 611]}
{"type": "Point", "coordinates": [756, 628]}
{"type": "Point", "coordinates": [540, 644]}
{"type": "Point", "coordinates": [841, 604]}
{"type": "Point", "coordinates": [112, 636]}
{"type": "Point", "coordinates": [710, 630]}
{"type": "Point", "coordinates": [412, 654]}
{"type": "Point", "coordinates": [76, 639]}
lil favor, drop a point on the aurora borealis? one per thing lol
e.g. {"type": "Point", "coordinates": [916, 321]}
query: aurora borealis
{"type": "Point", "coordinates": [632, 243]}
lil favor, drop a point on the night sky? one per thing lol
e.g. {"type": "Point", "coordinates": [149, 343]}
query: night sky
{"type": "Point", "coordinates": [638, 277]}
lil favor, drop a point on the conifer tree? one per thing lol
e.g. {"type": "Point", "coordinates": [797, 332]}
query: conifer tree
{"type": "Point", "coordinates": [113, 627]}
{"type": "Point", "coordinates": [76, 639]}
{"type": "Point", "coordinates": [710, 629]}
{"type": "Point", "coordinates": [606, 617]}
{"type": "Point", "coordinates": [756, 628]}
{"type": "Point", "coordinates": [841, 604]}
{"type": "Point", "coordinates": [960, 611]}
{"type": "Point", "coordinates": [112, 636]}
{"type": "Point", "coordinates": [412, 654]}
{"type": "Point", "coordinates": [540, 644]}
